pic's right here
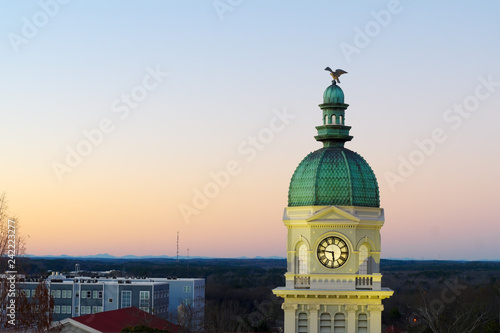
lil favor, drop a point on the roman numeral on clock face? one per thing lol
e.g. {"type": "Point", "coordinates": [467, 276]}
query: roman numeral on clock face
{"type": "Point", "coordinates": [332, 252]}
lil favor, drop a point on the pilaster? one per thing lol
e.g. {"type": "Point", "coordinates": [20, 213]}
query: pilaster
{"type": "Point", "coordinates": [351, 317]}
{"type": "Point", "coordinates": [290, 311]}
{"type": "Point", "coordinates": [313, 318]}
{"type": "Point", "coordinates": [375, 317]}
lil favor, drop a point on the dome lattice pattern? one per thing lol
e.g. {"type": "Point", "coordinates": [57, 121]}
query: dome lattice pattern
{"type": "Point", "coordinates": [333, 176]}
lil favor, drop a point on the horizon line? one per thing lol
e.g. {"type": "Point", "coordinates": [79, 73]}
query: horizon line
{"type": "Point", "coordinates": [174, 257]}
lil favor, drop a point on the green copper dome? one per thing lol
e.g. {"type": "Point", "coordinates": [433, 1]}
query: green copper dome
{"type": "Point", "coordinates": [333, 94]}
{"type": "Point", "coordinates": [333, 176]}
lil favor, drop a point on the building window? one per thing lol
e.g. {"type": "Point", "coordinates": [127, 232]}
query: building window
{"type": "Point", "coordinates": [363, 259]}
{"type": "Point", "coordinates": [302, 269]}
{"type": "Point", "coordinates": [339, 323]}
{"type": "Point", "coordinates": [126, 299]}
{"type": "Point", "coordinates": [84, 294]}
{"type": "Point", "coordinates": [187, 289]}
{"type": "Point", "coordinates": [99, 294]}
{"type": "Point", "coordinates": [94, 294]}
{"type": "Point", "coordinates": [76, 310]}
{"type": "Point", "coordinates": [58, 294]}
{"type": "Point", "coordinates": [99, 309]}
{"type": "Point", "coordinates": [27, 292]}
{"type": "Point", "coordinates": [63, 309]}
{"type": "Point", "coordinates": [144, 301]}
{"type": "Point", "coordinates": [57, 309]}
{"type": "Point", "coordinates": [325, 323]}
{"type": "Point", "coordinates": [94, 309]}
{"type": "Point", "coordinates": [302, 323]}
{"type": "Point", "coordinates": [362, 323]}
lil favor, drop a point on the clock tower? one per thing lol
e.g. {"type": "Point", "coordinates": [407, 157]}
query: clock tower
{"type": "Point", "coordinates": [333, 280]}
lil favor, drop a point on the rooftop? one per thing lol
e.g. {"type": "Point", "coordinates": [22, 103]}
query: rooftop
{"type": "Point", "coordinates": [117, 320]}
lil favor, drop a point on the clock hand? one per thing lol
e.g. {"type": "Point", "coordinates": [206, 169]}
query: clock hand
{"type": "Point", "coordinates": [333, 254]}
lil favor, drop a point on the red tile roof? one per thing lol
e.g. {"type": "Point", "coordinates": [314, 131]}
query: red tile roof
{"type": "Point", "coordinates": [116, 320]}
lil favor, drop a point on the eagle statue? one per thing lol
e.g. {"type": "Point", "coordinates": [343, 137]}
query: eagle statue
{"type": "Point", "coordinates": [335, 74]}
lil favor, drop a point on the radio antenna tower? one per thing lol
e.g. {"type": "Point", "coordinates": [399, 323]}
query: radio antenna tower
{"type": "Point", "coordinates": [177, 246]}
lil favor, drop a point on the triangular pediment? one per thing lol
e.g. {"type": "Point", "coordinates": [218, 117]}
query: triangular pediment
{"type": "Point", "coordinates": [333, 213]}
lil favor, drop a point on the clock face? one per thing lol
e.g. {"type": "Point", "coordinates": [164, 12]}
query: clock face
{"type": "Point", "coordinates": [333, 252]}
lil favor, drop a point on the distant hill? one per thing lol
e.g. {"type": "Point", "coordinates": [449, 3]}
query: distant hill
{"type": "Point", "coordinates": [131, 256]}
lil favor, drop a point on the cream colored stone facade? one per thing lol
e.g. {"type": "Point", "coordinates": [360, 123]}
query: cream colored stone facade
{"type": "Point", "coordinates": [344, 299]}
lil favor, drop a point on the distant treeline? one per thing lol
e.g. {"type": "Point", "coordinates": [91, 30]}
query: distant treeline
{"type": "Point", "coordinates": [428, 294]}
{"type": "Point", "coordinates": [156, 267]}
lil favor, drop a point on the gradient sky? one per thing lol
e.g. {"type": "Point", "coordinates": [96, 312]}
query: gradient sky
{"type": "Point", "coordinates": [417, 69]}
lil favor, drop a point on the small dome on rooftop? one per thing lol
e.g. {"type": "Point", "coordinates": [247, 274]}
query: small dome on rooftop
{"type": "Point", "coordinates": [333, 94]}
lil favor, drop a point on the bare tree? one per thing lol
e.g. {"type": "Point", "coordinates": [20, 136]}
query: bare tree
{"type": "Point", "coordinates": [447, 314]}
{"type": "Point", "coordinates": [41, 307]}
{"type": "Point", "coordinates": [188, 316]}
{"type": "Point", "coordinates": [224, 316]}
{"type": "Point", "coordinates": [33, 314]}
{"type": "Point", "coordinates": [9, 234]}
{"type": "Point", "coordinates": [36, 313]}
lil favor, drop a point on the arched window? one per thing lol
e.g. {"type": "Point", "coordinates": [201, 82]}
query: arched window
{"type": "Point", "coordinates": [363, 259]}
{"type": "Point", "coordinates": [302, 323]}
{"type": "Point", "coordinates": [302, 262]}
{"type": "Point", "coordinates": [325, 121]}
{"type": "Point", "coordinates": [362, 323]}
{"type": "Point", "coordinates": [339, 323]}
{"type": "Point", "coordinates": [342, 120]}
{"type": "Point", "coordinates": [325, 323]}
